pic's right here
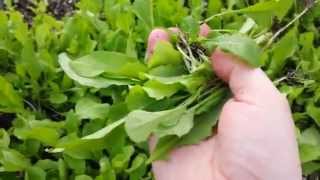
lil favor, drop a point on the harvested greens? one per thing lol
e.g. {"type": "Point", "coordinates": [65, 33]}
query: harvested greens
{"type": "Point", "coordinates": [79, 99]}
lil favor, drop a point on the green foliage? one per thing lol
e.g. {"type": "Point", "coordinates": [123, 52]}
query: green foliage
{"type": "Point", "coordinates": [83, 99]}
{"type": "Point", "coordinates": [239, 45]}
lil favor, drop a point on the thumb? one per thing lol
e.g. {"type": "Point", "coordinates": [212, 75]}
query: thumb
{"type": "Point", "coordinates": [255, 124]}
{"type": "Point", "coordinates": [249, 85]}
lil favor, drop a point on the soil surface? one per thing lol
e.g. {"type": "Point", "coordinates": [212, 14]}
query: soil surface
{"type": "Point", "coordinates": [56, 8]}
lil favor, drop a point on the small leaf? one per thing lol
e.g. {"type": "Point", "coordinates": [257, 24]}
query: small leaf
{"type": "Point", "coordinates": [87, 108]}
{"type": "Point", "coordinates": [159, 90]}
{"type": "Point", "coordinates": [310, 167]}
{"type": "Point", "coordinates": [35, 173]}
{"type": "Point", "coordinates": [203, 124]}
{"type": "Point", "coordinates": [164, 54]}
{"type": "Point", "coordinates": [144, 11]}
{"type": "Point", "coordinates": [105, 131]}
{"type": "Point", "coordinates": [264, 11]}
{"type": "Point", "coordinates": [314, 113]}
{"type": "Point", "coordinates": [4, 139]}
{"type": "Point", "coordinates": [83, 177]}
{"type": "Point", "coordinates": [112, 63]}
{"type": "Point", "coordinates": [97, 82]}
{"type": "Point", "coordinates": [281, 51]}
{"type": "Point", "coordinates": [190, 26]}
{"type": "Point", "coordinates": [121, 161]}
{"type": "Point", "coordinates": [240, 46]}
{"type": "Point", "coordinates": [309, 153]}
{"type": "Point", "coordinates": [77, 165]}
{"type": "Point", "coordinates": [163, 147]}
{"type": "Point", "coordinates": [140, 124]}
{"type": "Point", "coordinates": [12, 160]}
{"type": "Point", "coordinates": [10, 100]}
{"type": "Point", "coordinates": [57, 98]}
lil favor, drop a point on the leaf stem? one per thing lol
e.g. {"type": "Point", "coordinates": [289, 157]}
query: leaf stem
{"type": "Point", "coordinates": [286, 27]}
{"type": "Point", "coordinates": [217, 15]}
{"type": "Point", "coordinates": [222, 30]}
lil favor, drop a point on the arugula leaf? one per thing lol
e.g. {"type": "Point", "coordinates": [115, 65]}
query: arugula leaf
{"type": "Point", "coordinates": [138, 168]}
{"type": "Point", "coordinates": [87, 108]}
{"type": "Point", "coordinates": [164, 54]}
{"type": "Point", "coordinates": [4, 139]}
{"type": "Point", "coordinates": [112, 63]}
{"type": "Point", "coordinates": [163, 147]}
{"type": "Point", "coordinates": [159, 90]}
{"type": "Point", "coordinates": [44, 131]}
{"type": "Point", "coordinates": [97, 82]}
{"type": "Point", "coordinates": [35, 173]}
{"type": "Point", "coordinates": [140, 124]}
{"type": "Point", "coordinates": [238, 45]}
{"type": "Point", "coordinates": [12, 160]}
{"type": "Point", "coordinates": [190, 26]}
{"type": "Point", "coordinates": [144, 10]}
{"type": "Point", "coordinates": [281, 51]}
{"type": "Point", "coordinates": [105, 131]}
{"type": "Point", "coordinates": [263, 12]}
{"type": "Point", "coordinates": [10, 100]}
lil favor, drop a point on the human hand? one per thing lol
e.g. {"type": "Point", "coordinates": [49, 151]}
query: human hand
{"type": "Point", "coordinates": [255, 139]}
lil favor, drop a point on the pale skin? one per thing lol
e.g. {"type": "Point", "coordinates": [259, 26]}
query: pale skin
{"type": "Point", "coordinates": [255, 139]}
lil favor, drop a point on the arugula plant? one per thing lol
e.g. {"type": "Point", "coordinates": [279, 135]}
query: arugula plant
{"type": "Point", "coordinates": [80, 102]}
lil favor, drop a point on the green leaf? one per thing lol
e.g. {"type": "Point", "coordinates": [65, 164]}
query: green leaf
{"type": "Point", "coordinates": [97, 82]}
{"type": "Point", "coordinates": [29, 60]}
{"type": "Point", "coordinates": [35, 173]}
{"type": "Point", "coordinates": [4, 139]}
{"type": "Point", "coordinates": [106, 170]}
{"type": "Point", "coordinates": [62, 169]}
{"type": "Point", "coordinates": [47, 164]}
{"type": "Point", "coordinates": [137, 98]}
{"type": "Point", "coordinates": [140, 124]}
{"type": "Point", "coordinates": [45, 135]}
{"type": "Point", "coordinates": [138, 167]}
{"type": "Point", "coordinates": [113, 63]}
{"type": "Point", "coordinates": [10, 100]}
{"type": "Point", "coordinates": [94, 6]}
{"type": "Point", "coordinates": [190, 26]}
{"type": "Point", "coordinates": [309, 153]}
{"type": "Point", "coordinates": [163, 147]}
{"type": "Point", "coordinates": [45, 131]}
{"type": "Point", "coordinates": [78, 165]}
{"type": "Point", "coordinates": [12, 160]}
{"type": "Point", "coordinates": [240, 46]}
{"type": "Point", "coordinates": [204, 124]}
{"type": "Point", "coordinates": [159, 90]}
{"type": "Point", "coordinates": [87, 108]}
{"type": "Point", "coordinates": [183, 126]}
{"type": "Point", "coordinates": [314, 113]}
{"type": "Point", "coordinates": [144, 11]}
{"type": "Point", "coordinates": [310, 136]}
{"type": "Point", "coordinates": [105, 131]}
{"type": "Point", "coordinates": [192, 82]}
{"type": "Point", "coordinates": [57, 98]}
{"type": "Point", "coordinates": [310, 167]}
{"type": "Point", "coordinates": [264, 11]}
{"type": "Point", "coordinates": [83, 177]}
{"type": "Point", "coordinates": [164, 54]}
{"type": "Point", "coordinates": [121, 161]}
{"type": "Point", "coordinates": [281, 51]}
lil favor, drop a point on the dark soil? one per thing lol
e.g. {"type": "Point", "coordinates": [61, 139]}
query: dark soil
{"type": "Point", "coordinates": [6, 120]}
{"type": "Point", "coordinates": [61, 8]}
{"type": "Point", "coordinates": [56, 8]}
{"type": "Point", "coordinates": [25, 7]}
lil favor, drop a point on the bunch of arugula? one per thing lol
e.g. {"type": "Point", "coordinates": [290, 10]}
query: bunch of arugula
{"type": "Point", "coordinates": [84, 101]}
